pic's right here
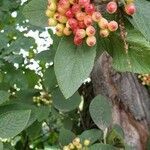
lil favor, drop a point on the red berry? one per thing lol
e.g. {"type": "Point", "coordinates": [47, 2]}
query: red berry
{"type": "Point", "coordinates": [90, 31]}
{"type": "Point", "coordinates": [76, 8]}
{"type": "Point", "coordinates": [69, 13]}
{"type": "Point", "coordinates": [64, 4]}
{"type": "Point", "coordinates": [77, 41]}
{"type": "Point", "coordinates": [130, 9]}
{"type": "Point", "coordinates": [81, 25]}
{"type": "Point", "coordinates": [80, 33]}
{"type": "Point", "coordinates": [83, 3]}
{"type": "Point", "coordinates": [88, 20]}
{"type": "Point", "coordinates": [61, 10]}
{"type": "Point", "coordinates": [96, 16]}
{"type": "Point", "coordinates": [89, 9]}
{"type": "Point", "coordinates": [72, 23]}
{"type": "Point", "coordinates": [112, 26]}
{"type": "Point", "coordinates": [111, 7]}
{"type": "Point", "coordinates": [91, 41]}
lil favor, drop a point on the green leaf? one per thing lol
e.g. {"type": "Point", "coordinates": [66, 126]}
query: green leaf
{"type": "Point", "coordinates": [1, 145]}
{"type": "Point", "coordinates": [4, 96]}
{"type": "Point", "coordinates": [72, 65]}
{"type": "Point", "coordinates": [13, 122]}
{"type": "Point", "coordinates": [92, 135]}
{"type": "Point", "coordinates": [100, 111]}
{"type": "Point", "coordinates": [35, 12]}
{"type": "Point", "coordinates": [141, 19]}
{"type": "Point", "coordinates": [137, 60]}
{"type": "Point", "coordinates": [65, 105]}
{"type": "Point", "coordinates": [101, 147]}
{"type": "Point", "coordinates": [66, 136]}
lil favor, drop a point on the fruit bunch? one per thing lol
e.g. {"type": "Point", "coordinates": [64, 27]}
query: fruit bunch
{"type": "Point", "coordinates": [145, 78]}
{"type": "Point", "coordinates": [77, 145]}
{"type": "Point", "coordinates": [79, 17]}
{"type": "Point", "coordinates": [43, 99]}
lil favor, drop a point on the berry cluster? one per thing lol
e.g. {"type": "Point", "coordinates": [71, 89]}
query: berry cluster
{"type": "Point", "coordinates": [77, 145]}
{"type": "Point", "coordinates": [78, 17]}
{"type": "Point", "coordinates": [145, 78]}
{"type": "Point", "coordinates": [43, 99]}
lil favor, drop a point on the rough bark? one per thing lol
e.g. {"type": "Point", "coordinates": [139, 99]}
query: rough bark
{"type": "Point", "coordinates": [130, 100]}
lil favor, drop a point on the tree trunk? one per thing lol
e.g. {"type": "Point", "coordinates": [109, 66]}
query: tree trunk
{"type": "Point", "coordinates": [130, 100]}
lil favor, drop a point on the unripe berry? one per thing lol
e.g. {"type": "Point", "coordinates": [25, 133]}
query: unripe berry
{"type": "Point", "coordinates": [89, 9]}
{"type": "Point", "coordinates": [104, 33]}
{"type": "Point", "coordinates": [80, 33]}
{"type": "Point", "coordinates": [79, 146]}
{"type": "Point", "coordinates": [86, 142]}
{"type": "Point", "coordinates": [66, 148]}
{"type": "Point", "coordinates": [90, 31]}
{"type": "Point", "coordinates": [112, 26]}
{"type": "Point", "coordinates": [96, 16]}
{"type": "Point", "coordinates": [52, 6]}
{"type": "Point", "coordinates": [77, 41]}
{"type": "Point", "coordinates": [71, 146]}
{"type": "Point", "coordinates": [72, 23]}
{"type": "Point", "coordinates": [103, 23]}
{"type": "Point", "coordinates": [80, 16]}
{"type": "Point", "coordinates": [52, 22]}
{"type": "Point", "coordinates": [91, 41]}
{"type": "Point", "coordinates": [130, 9]}
{"type": "Point", "coordinates": [129, 1]}
{"type": "Point", "coordinates": [60, 27]}
{"type": "Point", "coordinates": [67, 31]}
{"type": "Point", "coordinates": [111, 7]}
{"type": "Point", "coordinates": [59, 33]}
{"type": "Point", "coordinates": [72, 2]}
{"type": "Point", "coordinates": [81, 25]}
{"type": "Point", "coordinates": [62, 19]}
{"type": "Point", "coordinates": [56, 16]}
{"type": "Point", "coordinates": [69, 13]}
{"type": "Point", "coordinates": [76, 8]}
{"type": "Point", "coordinates": [83, 3]}
{"type": "Point", "coordinates": [88, 20]}
{"type": "Point", "coordinates": [52, 1]}
{"type": "Point", "coordinates": [49, 13]}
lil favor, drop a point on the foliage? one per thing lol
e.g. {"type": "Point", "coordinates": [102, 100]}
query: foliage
{"type": "Point", "coordinates": [44, 108]}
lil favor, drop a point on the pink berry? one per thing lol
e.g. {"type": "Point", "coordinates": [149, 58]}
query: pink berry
{"type": "Point", "coordinates": [69, 13]}
{"type": "Point", "coordinates": [83, 3]}
{"type": "Point", "coordinates": [61, 10]}
{"type": "Point", "coordinates": [88, 20]}
{"type": "Point", "coordinates": [80, 33]}
{"type": "Point", "coordinates": [112, 26]}
{"type": "Point", "coordinates": [64, 4]}
{"type": "Point", "coordinates": [130, 9]}
{"type": "Point", "coordinates": [89, 9]}
{"type": "Point", "coordinates": [81, 25]}
{"type": "Point", "coordinates": [90, 31]}
{"type": "Point", "coordinates": [111, 7]}
{"type": "Point", "coordinates": [80, 16]}
{"type": "Point", "coordinates": [72, 23]}
{"type": "Point", "coordinates": [96, 16]}
{"type": "Point", "coordinates": [76, 8]}
{"type": "Point", "coordinates": [91, 41]}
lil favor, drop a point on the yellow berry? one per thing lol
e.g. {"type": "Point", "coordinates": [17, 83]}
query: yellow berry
{"type": "Point", "coordinates": [86, 142]}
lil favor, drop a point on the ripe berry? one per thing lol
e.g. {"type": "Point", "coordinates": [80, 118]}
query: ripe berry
{"type": "Point", "coordinates": [104, 33]}
{"type": "Point", "coordinates": [49, 13]}
{"type": "Point", "coordinates": [65, 4]}
{"type": "Point", "coordinates": [76, 8]}
{"type": "Point", "coordinates": [67, 31]}
{"type": "Point", "coordinates": [88, 20]}
{"type": "Point", "coordinates": [111, 7]}
{"type": "Point", "coordinates": [61, 10]}
{"type": "Point", "coordinates": [103, 23]}
{"type": "Point", "coordinates": [73, 23]}
{"type": "Point", "coordinates": [69, 13]}
{"type": "Point", "coordinates": [96, 16]}
{"type": "Point", "coordinates": [80, 33]}
{"type": "Point", "coordinates": [89, 9]}
{"type": "Point", "coordinates": [130, 9]}
{"type": "Point", "coordinates": [52, 22]}
{"type": "Point", "coordinates": [91, 41]}
{"type": "Point", "coordinates": [80, 16]}
{"type": "Point", "coordinates": [77, 41]}
{"type": "Point", "coordinates": [112, 26]}
{"type": "Point", "coordinates": [90, 31]}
